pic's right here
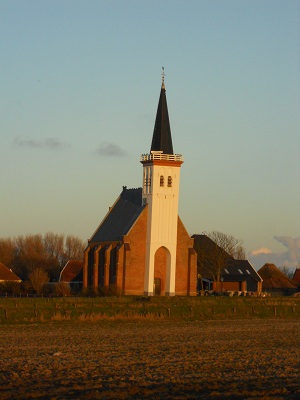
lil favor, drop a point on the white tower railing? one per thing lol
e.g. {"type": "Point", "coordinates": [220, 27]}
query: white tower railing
{"type": "Point", "coordinates": [161, 156]}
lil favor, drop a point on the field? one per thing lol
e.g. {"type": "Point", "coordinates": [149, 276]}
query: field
{"type": "Point", "coordinates": [88, 309]}
{"type": "Point", "coordinates": [154, 357]}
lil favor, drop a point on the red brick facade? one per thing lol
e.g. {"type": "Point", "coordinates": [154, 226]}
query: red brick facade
{"type": "Point", "coordinates": [121, 265]}
{"type": "Point", "coordinates": [235, 286]}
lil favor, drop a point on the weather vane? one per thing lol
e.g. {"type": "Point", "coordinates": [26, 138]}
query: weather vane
{"type": "Point", "coordinates": [163, 75]}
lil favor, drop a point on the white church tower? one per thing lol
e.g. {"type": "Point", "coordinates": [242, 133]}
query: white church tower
{"type": "Point", "coordinates": [161, 177]}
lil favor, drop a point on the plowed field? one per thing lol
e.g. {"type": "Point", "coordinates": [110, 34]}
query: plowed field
{"type": "Point", "coordinates": [142, 359]}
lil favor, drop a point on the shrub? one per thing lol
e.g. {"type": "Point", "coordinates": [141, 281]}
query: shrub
{"type": "Point", "coordinates": [62, 289]}
{"type": "Point", "coordinates": [38, 279]}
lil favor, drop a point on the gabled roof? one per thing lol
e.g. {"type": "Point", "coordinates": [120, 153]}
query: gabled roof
{"type": "Point", "coordinates": [233, 270]}
{"type": "Point", "coordinates": [204, 245]}
{"type": "Point", "coordinates": [241, 270]}
{"type": "Point", "coordinates": [121, 216]}
{"type": "Point", "coordinates": [6, 274]}
{"type": "Point", "coordinates": [162, 139]}
{"type": "Point", "coordinates": [273, 278]}
{"type": "Point", "coordinates": [71, 270]}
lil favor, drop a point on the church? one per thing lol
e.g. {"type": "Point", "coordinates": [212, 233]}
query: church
{"type": "Point", "coordinates": [142, 247]}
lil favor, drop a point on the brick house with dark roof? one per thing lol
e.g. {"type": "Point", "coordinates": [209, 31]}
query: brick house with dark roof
{"type": "Point", "coordinates": [221, 272]}
{"type": "Point", "coordinates": [72, 274]}
{"type": "Point", "coordinates": [141, 247]}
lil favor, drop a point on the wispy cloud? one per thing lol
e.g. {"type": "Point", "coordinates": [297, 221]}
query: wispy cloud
{"type": "Point", "coordinates": [289, 258]}
{"type": "Point", "coordinates": [47, 143]}
{"type": "Point", "coordinates": [110, 150]}
{"type": "Point", "coordinates": [261, 250]}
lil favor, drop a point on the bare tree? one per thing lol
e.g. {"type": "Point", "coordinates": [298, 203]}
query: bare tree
{"type": "Point", "coordinates": [7, 252]}
{"type": "Point", "coordinates": [29, 254]}
{"type": "Point", "coordinates": [234, 247]}
{"type": "Point", "coordinates": [286, 271]}
{"type": "Point", "coordinates": [38, 279]}
{"type": "Point", "coordinates": [50, 252]}
{"type": "Point", "coordinates": [54, 247]}
{"type": "Point", "coordinates": [74, 248]}
{"type": "Point", "coordinates": [214, 251]}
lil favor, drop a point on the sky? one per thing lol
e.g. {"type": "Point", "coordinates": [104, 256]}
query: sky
{"type": "Point", "coordinates": [80, 83]}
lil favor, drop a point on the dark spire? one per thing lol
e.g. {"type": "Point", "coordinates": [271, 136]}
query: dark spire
{"type": "Point", "coordinates": [162, 139]}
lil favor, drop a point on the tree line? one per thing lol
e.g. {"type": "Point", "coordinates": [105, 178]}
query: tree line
{"type": "Point", "coordinates": [49, 253]}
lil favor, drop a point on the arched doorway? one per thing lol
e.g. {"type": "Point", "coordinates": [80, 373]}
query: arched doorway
{"type": "Point", "coordinates": [161, 268]}
{"type": "Point", "coordinates": [157, 287]}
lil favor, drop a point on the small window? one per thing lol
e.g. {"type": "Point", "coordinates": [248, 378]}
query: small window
{"type": "Point", "coordinates": [240, 271]}
{"type": "Point", "coordinates": [248, 272]}
{"type": "Point", "coordinates": [147, 181]}
{"type": "Point", "coordinates": [161, 180]}
{"type": "Point", "coordinates": [226, 270]}
{"type": "Point", "coordinates": [169, 181]}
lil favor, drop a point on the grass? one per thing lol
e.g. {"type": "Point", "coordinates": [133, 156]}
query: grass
{"type": "Point", "coordinates": [28, 310]}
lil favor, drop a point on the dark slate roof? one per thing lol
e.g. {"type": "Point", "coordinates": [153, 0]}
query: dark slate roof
{"type": "Point", "coordinates": [71, 270]}
{"type": "Point", "coordinates": [238, 270]}
{"type": "Point", "coordinates": [120, 218]}
{"type": "Point", "coordinates": [6, 274]}
{"type": "Point", "coordinates": [162, 139]}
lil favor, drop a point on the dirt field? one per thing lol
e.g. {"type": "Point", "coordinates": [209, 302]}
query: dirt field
{"type": "Point", "coordinates": [246, 359]}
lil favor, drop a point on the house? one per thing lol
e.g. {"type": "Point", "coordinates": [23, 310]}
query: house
{"type": "Point", "coordinates": [296, 276]}
{"type": "Point", "coordinates": [72, 274]}
{"type": "Point", "coordinates": [142, 247]}
{"type": "Point", "coordinates": [220, 272]}
{"type": "Point", "coordinates": [6, 275]}
{"type": "Point", "coordinates": [275, 281]}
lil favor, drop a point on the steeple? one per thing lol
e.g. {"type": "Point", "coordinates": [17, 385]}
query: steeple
{"type": "Point", "coordinates": [161, 178]}
{"type": "Point", "coordinates": [162, 139]}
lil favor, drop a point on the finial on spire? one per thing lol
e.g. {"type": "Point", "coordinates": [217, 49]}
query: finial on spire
{"type": "Point", "coordinates": [163, 78]}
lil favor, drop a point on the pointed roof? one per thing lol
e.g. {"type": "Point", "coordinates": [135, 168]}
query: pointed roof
{"type": "Point", "coordinates": [273, 278]}
{"type": "Point", "coordinates": [232, 269]}
{"type": "Point", "coordinates": [121, 216]}
{"type": "Point", "coordinates": [71, 270]}
{"type": "Point", "coordinates": [162, 139]}
{"type": "Point", "coordinates": [6, 274]}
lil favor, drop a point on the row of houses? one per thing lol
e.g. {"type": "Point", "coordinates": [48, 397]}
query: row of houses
{"type": "Point", "coordinates": [236, 276]}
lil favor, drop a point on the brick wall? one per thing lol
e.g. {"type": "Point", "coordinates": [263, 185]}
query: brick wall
{"type": "Point", "coordinates": [135, 259]}
{"type": "Point", "coordinates": [130, 259]}
{"type": "Point", "coordinates": [186, 268]}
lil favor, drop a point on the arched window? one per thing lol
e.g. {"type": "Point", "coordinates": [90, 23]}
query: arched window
{"type": "Point", "coordinates": [147, 180]}
{"type": "Point", "coordinates": [169, 181]}
{"type": "Point", "coordinates": [161, 180]}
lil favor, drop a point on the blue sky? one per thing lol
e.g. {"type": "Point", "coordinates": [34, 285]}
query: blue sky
{"type": "Point", "coordinates": [80, 82]}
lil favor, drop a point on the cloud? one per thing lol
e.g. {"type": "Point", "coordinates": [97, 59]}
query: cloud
{"type": "Point", "coordinates": [262, 250]}
{"type": "Point", "coordinates": [47, 143]}
{"type": "Point", "coordinates": [110, 150]}
{"type": "Point", "coordinates": [292, 255]}
{"type": "Point", "coordinates": [289, 258]}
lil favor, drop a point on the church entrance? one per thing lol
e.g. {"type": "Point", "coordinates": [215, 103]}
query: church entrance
{"type": "Point", "coordinates": [161, 265]}
{"type": "Point", "coordinates": [157, 286]}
